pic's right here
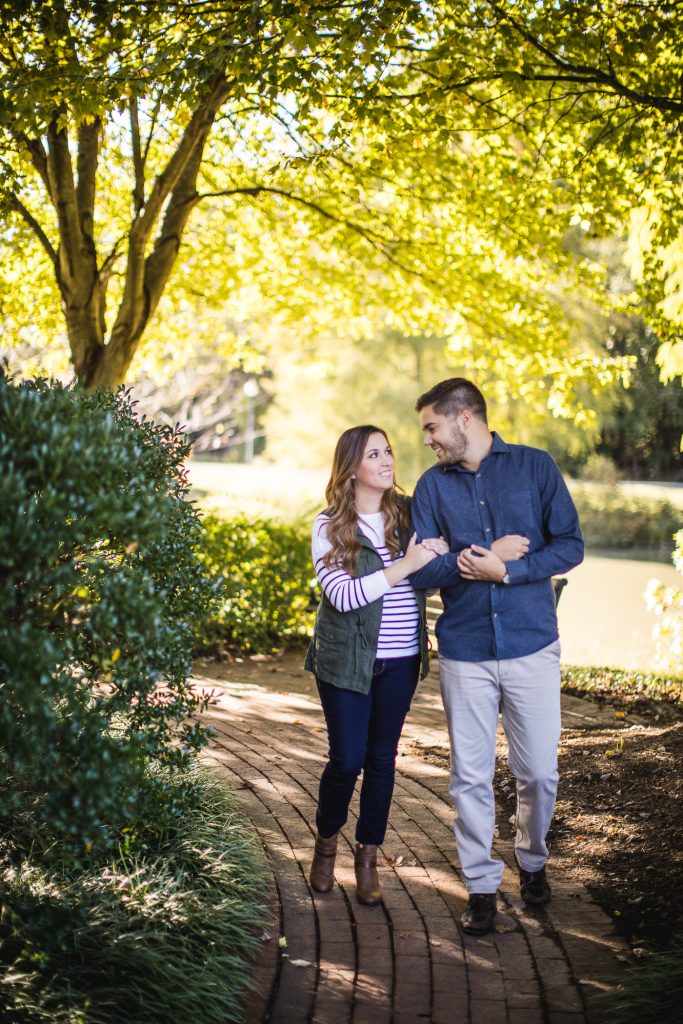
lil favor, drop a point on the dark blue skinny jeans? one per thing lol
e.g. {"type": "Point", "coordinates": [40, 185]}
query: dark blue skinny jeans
{"type": "Point", "coordinates": [363, 731]}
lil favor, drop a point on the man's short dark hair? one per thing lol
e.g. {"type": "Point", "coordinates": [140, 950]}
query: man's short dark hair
{"type": "Point", "coordinates": [451, 397]}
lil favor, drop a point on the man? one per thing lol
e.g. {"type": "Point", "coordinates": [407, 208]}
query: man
{"type": "Point", "coordinates": [511, 525]}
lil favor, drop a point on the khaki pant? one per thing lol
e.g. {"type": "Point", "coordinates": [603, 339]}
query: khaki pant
{"type": "Point", "coordinates": [527, 692]}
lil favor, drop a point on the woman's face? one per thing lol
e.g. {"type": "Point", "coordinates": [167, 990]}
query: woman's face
{"type": "Point", "coordinates": [376, 469]}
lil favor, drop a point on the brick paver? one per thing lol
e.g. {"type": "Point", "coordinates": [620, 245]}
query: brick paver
{"type": "Point", "coordinates": [405, 961]}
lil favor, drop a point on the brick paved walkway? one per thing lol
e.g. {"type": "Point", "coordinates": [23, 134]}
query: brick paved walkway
{"type": "Point", "coordinates": [406, 961]}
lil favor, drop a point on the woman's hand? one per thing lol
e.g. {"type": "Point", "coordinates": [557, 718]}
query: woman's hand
{"type": "Point", "coordinates": [418, 555]}
{"type": "Point", "coordinates": [436, 544]}
{"type": "Point", "coordinates": [510, 547]}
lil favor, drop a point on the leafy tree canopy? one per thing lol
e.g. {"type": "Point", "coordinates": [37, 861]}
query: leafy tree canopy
{"type": "Point", "coordinates": [415, 166]}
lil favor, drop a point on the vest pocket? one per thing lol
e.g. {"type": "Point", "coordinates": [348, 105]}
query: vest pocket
{"type": "Point", "coordinates": [330, 634]}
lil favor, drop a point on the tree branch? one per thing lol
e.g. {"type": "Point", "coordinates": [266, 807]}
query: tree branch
{"type": "Point", "coordinates": [152, 126]}
{"type": "Point", "coordinates": [16, 204]}
{"type": "Point", "coordinates": [160, 262]}
{"type": "Point", "coordinates": [38, 155]}
{"type": "Point", "coordinates": [86, 166]}
{"type": "Point", "coordinates": [60, 169]}
{"type": "Point", "coordinates": [373, 238]}
{"type": "Point", "coordinates": [584, 72]}
{"type": "Point", "coordinates": [194, 135]}
{"type": "Point", "coordinates": [146, 278]}
{"type": "Point", "coordinates": [138, 161]}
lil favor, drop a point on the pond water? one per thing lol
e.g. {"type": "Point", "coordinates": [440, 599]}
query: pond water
{"type": "Point", "coordinates": [602, 612]}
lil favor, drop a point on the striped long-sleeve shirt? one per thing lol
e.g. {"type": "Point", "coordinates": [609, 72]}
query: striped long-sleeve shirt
{"type": "Point", "coordinates": [398, 634]}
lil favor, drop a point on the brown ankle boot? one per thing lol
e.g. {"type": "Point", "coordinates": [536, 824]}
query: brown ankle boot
{"type": "Point", "coordinates": [322, 868]}
{"type": "Point", "coordinates": [368, 891]}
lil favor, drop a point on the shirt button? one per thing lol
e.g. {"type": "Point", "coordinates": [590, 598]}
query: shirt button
{"type": "Point", "coordinates": [482, 502]}
{"type": "Point", "coordinates": [488, 529]}
{"type": "Point", "coordinates": [495, 615]}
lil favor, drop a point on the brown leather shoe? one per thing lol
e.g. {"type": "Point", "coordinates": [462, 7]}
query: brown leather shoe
{"type": "Point", "coordinates": [368, 891]}
{"type": "Point", "coordinates": [322, 868]}
{"type": "Point", "coordinates": [480, 913]}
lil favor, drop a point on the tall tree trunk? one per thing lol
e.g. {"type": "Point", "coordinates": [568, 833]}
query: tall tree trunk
{"type": "Point", "coordinates": [147, 274]}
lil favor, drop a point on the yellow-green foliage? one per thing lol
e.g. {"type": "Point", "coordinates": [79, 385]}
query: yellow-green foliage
{"type": "Point", "coordinates": [625, 686]}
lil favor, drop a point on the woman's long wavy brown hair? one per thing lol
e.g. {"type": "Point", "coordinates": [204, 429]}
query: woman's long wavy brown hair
{"type": "Point", "coordinates": [341, 499]}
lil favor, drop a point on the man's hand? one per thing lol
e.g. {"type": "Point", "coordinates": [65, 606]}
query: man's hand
{"type": "Point", "coordinates": [510, 547]}
{"type": "Point", "coordinates": [477, 563]}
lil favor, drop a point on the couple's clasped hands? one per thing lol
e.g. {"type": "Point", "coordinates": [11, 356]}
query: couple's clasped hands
{"type": "Point", "coordinates": [478, 563]}
{"type": "Point", "coordinates": [420, 554]}
{"type": "Point", "coordinates": [474, 562]}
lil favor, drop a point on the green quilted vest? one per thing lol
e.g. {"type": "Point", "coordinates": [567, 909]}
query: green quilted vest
{"type": "Point", "coordinates": [343, 649]}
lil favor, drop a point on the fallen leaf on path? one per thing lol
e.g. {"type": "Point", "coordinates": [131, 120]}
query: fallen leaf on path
{"type": "Point", "coordinates": [505, 924]}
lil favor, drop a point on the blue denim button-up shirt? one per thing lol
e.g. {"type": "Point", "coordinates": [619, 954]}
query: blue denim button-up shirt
{"type": "Point", "coordinates": [516, 489]}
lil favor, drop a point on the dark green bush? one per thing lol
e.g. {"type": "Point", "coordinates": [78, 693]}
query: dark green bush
{"type": "Point", "coordinates": [611, 519]}
{"type": "Point", "coordinates": [100, 587]}
{"type": "Point", "coordinates": [152, 938]}
{"type": "Point", "coordinates": [262, 573]}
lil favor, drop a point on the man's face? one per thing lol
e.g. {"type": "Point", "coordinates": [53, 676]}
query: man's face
{"type": "Point", "coordinates": [443, 435]}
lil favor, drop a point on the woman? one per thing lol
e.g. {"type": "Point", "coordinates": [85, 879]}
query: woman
{"type": "Point", "coordinates": [368, 648]}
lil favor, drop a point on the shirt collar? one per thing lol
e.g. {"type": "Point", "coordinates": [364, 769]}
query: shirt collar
{"type": "Point", "coordinates": [498, 447]}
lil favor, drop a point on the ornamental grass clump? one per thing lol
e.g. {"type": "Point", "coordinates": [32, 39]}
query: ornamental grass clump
{"type": "Point", "coordinates": [100, 592]}
{"type": "Point", "coordinates": [160, 931]}
{"type": "Point", "coordinates": [652, 992]}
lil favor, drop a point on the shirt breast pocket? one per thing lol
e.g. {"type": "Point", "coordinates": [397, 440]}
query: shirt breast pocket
{"type": "Point", "coordinates": [517, 508]}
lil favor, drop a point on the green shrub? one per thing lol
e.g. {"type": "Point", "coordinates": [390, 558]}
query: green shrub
{"type": "Point", "coordinates": [163, 935]}
{"type": "Point", "coordinates": [262, 573]}
{"type": "Point", "coordinates": [99, 590]}
{"type": "Point", "coordinates": [611, 519]}
{"type": "Point", "coordinates": [600, 469]}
